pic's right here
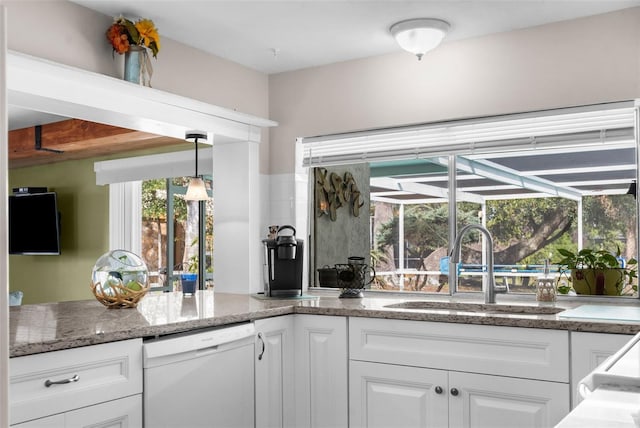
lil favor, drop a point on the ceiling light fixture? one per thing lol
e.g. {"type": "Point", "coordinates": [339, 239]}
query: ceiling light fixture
{"type": "Point", "coordinates": [419, 36]}
{"type": "Point", "coordinates": [196, 190]}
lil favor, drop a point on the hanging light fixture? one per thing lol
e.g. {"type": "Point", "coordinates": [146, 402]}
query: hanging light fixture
{"type": "Point", "coordinates": [196, 190]}
{"type": "Point", "coordinates": [419, 36]}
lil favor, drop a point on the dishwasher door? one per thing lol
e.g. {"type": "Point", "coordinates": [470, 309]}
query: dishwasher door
{"type": "Point", "coordinates": [203, 379]}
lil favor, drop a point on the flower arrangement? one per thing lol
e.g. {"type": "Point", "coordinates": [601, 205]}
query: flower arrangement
{"type": "Point", "coordinates": [123, 33]}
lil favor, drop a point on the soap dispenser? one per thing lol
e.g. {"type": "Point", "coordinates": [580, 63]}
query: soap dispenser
{"type": "Point", "coordinates": [545, 286]}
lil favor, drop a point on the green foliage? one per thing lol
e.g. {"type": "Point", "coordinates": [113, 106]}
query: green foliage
{"type": "Point", "coordinates": [154, 199]}
{"type": "Point", "coordinates": [595, 259]}
{"type": "Point", "coordinates": [517, 219]}
{"type": "Point", "coordinates": [588, 259]}
{"type": "Point", "coordinates": [426, 229]}
{"type": "Point", "coordinates": [609, 219]}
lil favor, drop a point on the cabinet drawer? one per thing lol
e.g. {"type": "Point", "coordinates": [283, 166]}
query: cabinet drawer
{"type": "Point", "coordinates": [508, 351]}
{"type": "Point", "coordinates": [104, 372]}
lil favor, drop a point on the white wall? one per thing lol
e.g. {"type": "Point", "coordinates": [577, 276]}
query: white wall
{"type": "Point", "coordinates": [71, 34]}
{"type": "Point", "coordinates": [576, 62]}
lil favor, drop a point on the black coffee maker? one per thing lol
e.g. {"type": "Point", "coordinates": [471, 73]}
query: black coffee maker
{"type": "Point", "coordinates": [283, 264]}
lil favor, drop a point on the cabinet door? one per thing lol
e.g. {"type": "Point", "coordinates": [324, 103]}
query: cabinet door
{"type": "Point", "coordinates": [386, 395]}
{"type": "Point", "coordinates": [321, 371]}
{"type": "Point", "coordinates": [55, 421]}
{"type": "Point", "coordinates": [274, 372]}
{"type": "Point", "coordinates": [588, 351]}
{"type": "Point", "coordinates": [495, 401]}
{"type": "Point", "coordinates": [122, 413]}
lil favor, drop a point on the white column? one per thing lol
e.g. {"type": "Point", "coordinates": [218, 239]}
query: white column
{"type": "Point", "coordinates": [125, 216]}
{"type": "Point", "coordinates": [4, 257]}
{"type": "Point", "coordinates": [237, 246]}
{"type": "Point", "coordinates": [580, 226]}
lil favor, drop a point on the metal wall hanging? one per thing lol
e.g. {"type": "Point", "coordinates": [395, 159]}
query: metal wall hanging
{"type": "Point", "coordinates": [334, 191]}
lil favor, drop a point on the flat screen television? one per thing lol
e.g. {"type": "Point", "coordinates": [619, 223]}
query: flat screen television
{"type": "Point", "coordinates": [34, 224]}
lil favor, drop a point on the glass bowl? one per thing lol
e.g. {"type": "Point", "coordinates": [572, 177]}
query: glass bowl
{"type": "Point", "coordinates": [119, 279]}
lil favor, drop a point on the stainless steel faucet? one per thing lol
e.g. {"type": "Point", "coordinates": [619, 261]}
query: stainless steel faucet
{"type": "Point", "coordinates": [491, 289]}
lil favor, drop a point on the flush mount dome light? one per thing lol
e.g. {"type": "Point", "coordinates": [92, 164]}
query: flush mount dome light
{"type": "Point", "coordinates": [419, 36]}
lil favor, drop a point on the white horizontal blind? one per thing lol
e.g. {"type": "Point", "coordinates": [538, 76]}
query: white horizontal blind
{"type": "Point", "coordinates": [165, 165]}
{"type": "Point", "coordinates": [579, 126]}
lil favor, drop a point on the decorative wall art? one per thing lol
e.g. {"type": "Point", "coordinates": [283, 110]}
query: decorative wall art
{"type": "Point", "coordinates": [334, 191]}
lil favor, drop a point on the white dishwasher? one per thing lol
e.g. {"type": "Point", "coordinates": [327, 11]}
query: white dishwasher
{"type": "Point", "coordinates": [203, 379]}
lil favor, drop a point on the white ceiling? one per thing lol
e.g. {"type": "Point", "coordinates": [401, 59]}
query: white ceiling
{"type": "Point", "coordinates": [309, 33]}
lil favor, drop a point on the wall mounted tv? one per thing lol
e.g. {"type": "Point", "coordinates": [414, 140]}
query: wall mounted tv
{"type": "Point", "coordinates": [34, 224]}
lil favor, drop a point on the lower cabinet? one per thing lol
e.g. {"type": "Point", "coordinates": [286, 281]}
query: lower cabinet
{"type": "Point", "coordinates": [274, 365]}
{"type": "Point", "coordinates": [427, 374]}
{"type": "Point", "coordinates": [588, 351]}
{"type": "Point", "coordinates": [321, 371]}
{"type": "Point", "coordinates": [121, 413]}
{"type": "Point", "coordinates": [385, 395]}
{"type": "Point", "coordinates": [98, 386]}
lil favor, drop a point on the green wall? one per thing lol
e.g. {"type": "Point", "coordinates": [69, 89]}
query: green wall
{"type": "Point", "coordinates": [84, 209]}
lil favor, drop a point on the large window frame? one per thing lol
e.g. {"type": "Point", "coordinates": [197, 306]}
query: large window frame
{"type": "Point", "coordinates": [584, 126]}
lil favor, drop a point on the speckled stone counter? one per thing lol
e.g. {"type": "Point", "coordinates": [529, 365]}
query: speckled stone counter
{"type": "Point", "coordinates": [54, 326]}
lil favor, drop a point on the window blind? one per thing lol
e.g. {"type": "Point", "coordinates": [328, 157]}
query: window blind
{"type": "Point", "coordinates": [601, 124]}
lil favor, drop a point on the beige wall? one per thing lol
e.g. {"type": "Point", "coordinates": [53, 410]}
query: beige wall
{"type": "Point", "coordinates": [577, 62]}
{"type": "Point", "coordinates": [70, 34]}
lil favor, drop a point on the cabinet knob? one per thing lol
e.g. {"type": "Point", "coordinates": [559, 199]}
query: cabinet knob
{"type": "Point", "coordinates": [454, 392]}
{"type": "Point", "coordinates": [438, 390]}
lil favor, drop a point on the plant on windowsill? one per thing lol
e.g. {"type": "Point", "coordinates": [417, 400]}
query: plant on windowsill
{"type": "Point", "coordinates": [597, 272]}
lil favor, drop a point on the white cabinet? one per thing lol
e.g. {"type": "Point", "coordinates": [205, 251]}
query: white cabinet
{"type": "Point", "coordinates": [121, 413]}
{"type": "Point", "coordinates": [83, 386]}
{"type": "Point", "coordinates": [588, 351]}
{"type": "Point", "coordinates": [385, 395]}
{"type": "Point", "coordinates": [477, 400]}
{"type": "Point", "coordinates": [321, 371]}
{"type": "Point", "coordinates": [389, 395]}
{"type": "Point", "coordinates": [421, 374]}
{"type": "Point", "coordinates": [274, 372]}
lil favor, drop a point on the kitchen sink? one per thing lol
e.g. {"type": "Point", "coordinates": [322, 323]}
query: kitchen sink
{"type": "Point", "coordinates": [477, 307]}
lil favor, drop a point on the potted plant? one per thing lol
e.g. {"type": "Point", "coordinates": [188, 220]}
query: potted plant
{"type": "Point", "coordinates": [597, 272]}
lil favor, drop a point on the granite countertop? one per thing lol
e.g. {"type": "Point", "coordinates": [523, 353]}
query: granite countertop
{"type": "Point", "coordinates": [53, 326]}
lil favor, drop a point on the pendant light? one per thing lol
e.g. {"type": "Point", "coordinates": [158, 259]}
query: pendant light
{"type": "Point", "coordinates": [196, 190]}
{"type": "Point", "coordinates": [419, 36]}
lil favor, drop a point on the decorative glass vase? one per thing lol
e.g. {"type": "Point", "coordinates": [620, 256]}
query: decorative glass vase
{"type": "Point", "coordinates": [119, 279]}
{"type": "Point", "coordinates": [137, 66]}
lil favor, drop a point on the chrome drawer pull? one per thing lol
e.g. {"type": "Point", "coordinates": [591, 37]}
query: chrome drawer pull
{"type": "Point", "coordinates": [48, 382]}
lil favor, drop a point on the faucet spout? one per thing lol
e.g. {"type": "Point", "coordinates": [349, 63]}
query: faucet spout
{"type": "Point", "coordinates": [454, 256]}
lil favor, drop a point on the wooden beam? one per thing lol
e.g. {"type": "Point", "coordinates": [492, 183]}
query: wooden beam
{"type": "Point", "coordinates": [77, 139]}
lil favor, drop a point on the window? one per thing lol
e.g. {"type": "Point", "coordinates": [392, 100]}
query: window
{"type": "Point", "coordinates": [537, 181]}
{"type": "Point", "coordinates": [139, 209]}
{"type": "Point", "coordinates": [175, 240]}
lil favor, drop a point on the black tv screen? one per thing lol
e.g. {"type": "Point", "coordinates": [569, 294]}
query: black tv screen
{"type": "Point", "coordinates": [34, 224]}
